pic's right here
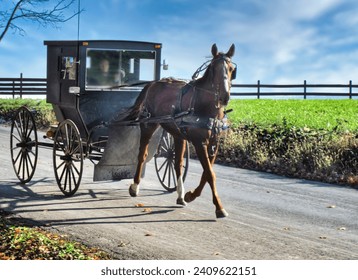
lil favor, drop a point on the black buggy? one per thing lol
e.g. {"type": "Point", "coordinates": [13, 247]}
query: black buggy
{"type": "Point", "coordinates": [88, 84]}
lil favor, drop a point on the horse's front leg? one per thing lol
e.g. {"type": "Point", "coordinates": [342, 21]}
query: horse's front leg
{"type": "Point", "coordinates": [145, 136]}
{"type": "Point", "coordinates": [212, 152]}
{"type": "Point", "coordinates": [207, 176]}
{"type": "Point", "coordinates": [179, 144]}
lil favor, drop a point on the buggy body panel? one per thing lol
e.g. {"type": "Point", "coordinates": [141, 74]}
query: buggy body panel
{"type": "Point", "coordinates": [79, 91]}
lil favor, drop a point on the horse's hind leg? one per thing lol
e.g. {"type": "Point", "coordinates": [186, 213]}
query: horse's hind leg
{"type": "Point", "coordinates": [179, 144]}
{"type": "Point", "coordinates": [145, 136]}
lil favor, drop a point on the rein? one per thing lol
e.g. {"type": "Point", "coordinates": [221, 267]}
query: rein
{"type": "Point", "coordinates": [202, 68]}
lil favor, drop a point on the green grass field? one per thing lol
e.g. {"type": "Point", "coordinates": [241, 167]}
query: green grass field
{"type": "Point", "coordinates": [329, 115]}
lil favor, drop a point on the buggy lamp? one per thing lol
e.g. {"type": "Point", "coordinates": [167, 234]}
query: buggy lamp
{"type": "Point", "coordinates": [75, 90]}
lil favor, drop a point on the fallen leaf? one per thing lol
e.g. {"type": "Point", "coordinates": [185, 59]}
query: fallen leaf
{"type": "Point", "coordinates": [323, 237]}
{"type": "Point", "coordinates": [331, 206]}
{"type": "Point", "coordinates": [122, 244]}
{"type": "Point", "coordinates": [342, 228]}
{"type": "Point", "coordinates": [147, 210]}
{"type": "Point", "coordinates": [139, 205]}
{"type": "Point", "coordinates": [148, 234]}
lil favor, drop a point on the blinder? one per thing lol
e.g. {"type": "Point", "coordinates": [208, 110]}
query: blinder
{"type": "Point", "coordinates": [233, 74]}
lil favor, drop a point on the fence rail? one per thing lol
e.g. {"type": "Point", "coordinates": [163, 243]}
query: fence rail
{"type": "Point", "coordinates": [38, 86]}
{"type": "Point", "coordinates": [23, 86]}
{"type": "Point", "coordinates": [263, 90]}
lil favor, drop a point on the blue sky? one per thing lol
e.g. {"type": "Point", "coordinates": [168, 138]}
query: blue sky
{"type": "Point", "coordinates": [277, 41]}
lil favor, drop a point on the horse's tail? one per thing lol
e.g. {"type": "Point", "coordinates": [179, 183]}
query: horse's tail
{"type": "Point", "coordinates": [134, 112]}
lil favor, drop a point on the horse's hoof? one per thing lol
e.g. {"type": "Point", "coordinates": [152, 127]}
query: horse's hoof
{"type": "Point", "coordinates": [133, 190]}
{"type": "Point", "coordinates": [221, 213]}
{"type": "Point", "coordinates": [181, 201]}
{"type": "Point", "coordinates": [188, 197]}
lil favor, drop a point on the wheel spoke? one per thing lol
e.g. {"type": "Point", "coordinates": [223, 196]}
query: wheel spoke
{"type": "Point", "coordinates": [67, 139]}
{"type": "Point", "coordinates": [30, 132]}
{"type": "Point", "coordinates": [165, 172]}
{"type": "Point", "coordinates": [18, 156]}
{"type": "Point", "coordinates": [165, 149]}
{"type": "Point", "coordinates": [169, 175]}
{"type": "Point", "coordinates": [16, 138]}
{"type": "Point", "coordinates": [26, 125]}
{"type": "Point", "coordinates": [73, 176]}
{"type": "Point", "coordinates": [18, 129]}
{"type": "Point", "coordinates": [21, 123]}
{"type": "Point", "coordinates": [163, 164]}
{"type": "Point", "coordinates": [29, 160]}
{"type": "Point", "coordinates": [20, 165]}
{"type": "Point", "coordinates": [66, 175]}
{"type": "Point", "coordinates": [69, 178]}
{"type": "Point", "coordinates": [75, 168]}
{"type": "Point", "coordinates": [63, 172]}
{"type": "Point", "coordinates": [26, 159]}
{"type": "Point", "coordinates": [75, 150]}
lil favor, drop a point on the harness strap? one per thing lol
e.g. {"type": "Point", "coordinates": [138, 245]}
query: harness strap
{"type": "Point", "coordinates": [178, 105]}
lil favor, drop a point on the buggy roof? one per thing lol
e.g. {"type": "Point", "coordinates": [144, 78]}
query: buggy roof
{"type": "Point", "coordinates": [101, 43]}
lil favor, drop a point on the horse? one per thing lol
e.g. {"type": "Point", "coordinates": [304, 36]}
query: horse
{"type": "Point", "coordinates": [198, 115]}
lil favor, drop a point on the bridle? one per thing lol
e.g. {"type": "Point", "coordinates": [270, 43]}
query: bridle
{"type": "Point", "coordinates": [215, 88]}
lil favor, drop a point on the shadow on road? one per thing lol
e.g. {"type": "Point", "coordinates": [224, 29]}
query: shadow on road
{"type": "Point", "coordinates": [22, 198]}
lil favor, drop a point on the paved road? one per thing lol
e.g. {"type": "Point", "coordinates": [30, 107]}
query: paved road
{"type": "Point", "coordinates": [270, 217]}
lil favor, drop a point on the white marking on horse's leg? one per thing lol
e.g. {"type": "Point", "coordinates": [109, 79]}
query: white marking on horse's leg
{"type": "Point", "coordinates": [180, 191]}
{"type": "Point", "coordinates": [134, 189]}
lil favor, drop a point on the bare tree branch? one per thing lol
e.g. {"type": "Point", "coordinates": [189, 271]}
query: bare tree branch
{"type": "Point", "coordinates": [9, 22]}
{"type": "Point", "coordinates": [35, 11]}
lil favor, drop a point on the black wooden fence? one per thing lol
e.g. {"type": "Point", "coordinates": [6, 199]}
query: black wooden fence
{"type": "Point", "coordinates": [19, 87]}
{"type": "Point", "coordinates": [304, 90]}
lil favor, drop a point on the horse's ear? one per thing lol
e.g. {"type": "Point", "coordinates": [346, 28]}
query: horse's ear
{"type": "Point", "coordinates": [214, 50]}
{"type": "Point", "coordinates": [231, 51]}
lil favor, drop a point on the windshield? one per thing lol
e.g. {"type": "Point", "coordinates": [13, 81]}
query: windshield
{"type": "Point", "coordinates": [109, 69]}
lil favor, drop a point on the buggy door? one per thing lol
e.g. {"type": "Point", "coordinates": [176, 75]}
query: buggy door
{"type": "Point", "coordinates": [62, 73]}
{"type": "Point", "coordinates": [67, 74]}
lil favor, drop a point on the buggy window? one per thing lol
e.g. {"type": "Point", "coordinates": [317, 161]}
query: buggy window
{"type": "Point", "coordinates": [68, 68]}
{"type": "Point", "coordinates": [109, 69]}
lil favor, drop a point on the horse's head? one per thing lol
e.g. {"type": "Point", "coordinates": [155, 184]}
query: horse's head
{"type": "Point", "coordinates": [222, 71]}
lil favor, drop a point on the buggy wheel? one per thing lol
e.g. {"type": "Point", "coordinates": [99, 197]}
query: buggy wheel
{"type": "Point", "coordinates": [68, 157]}
{"type": "Point", "coordinates": [23, 144]}
{"type": "Point", "coordinates": [164, 161]}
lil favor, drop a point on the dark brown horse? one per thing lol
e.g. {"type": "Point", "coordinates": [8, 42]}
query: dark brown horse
{"type": "Point", "coordinates": [198, 109]}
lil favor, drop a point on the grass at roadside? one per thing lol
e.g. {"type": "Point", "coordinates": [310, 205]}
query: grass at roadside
{"type": "Point", "coordinates": [311, 139]}
{"type": "Point", "coordinates": [44, 114]}
{"type": "Point", "coordinates": [20, 242]}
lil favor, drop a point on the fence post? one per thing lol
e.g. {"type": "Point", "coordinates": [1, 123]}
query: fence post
{"type": "Point", "coordinates": [258, 89]}
{"type": "Point", "coordinates": [350, 89]}
{"type": "Point", "coordinates": [13, 89]}
{"type": "Point", "coordinates": [304, 89]}
{"type": "Point", "coordinates": [20, 85]}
